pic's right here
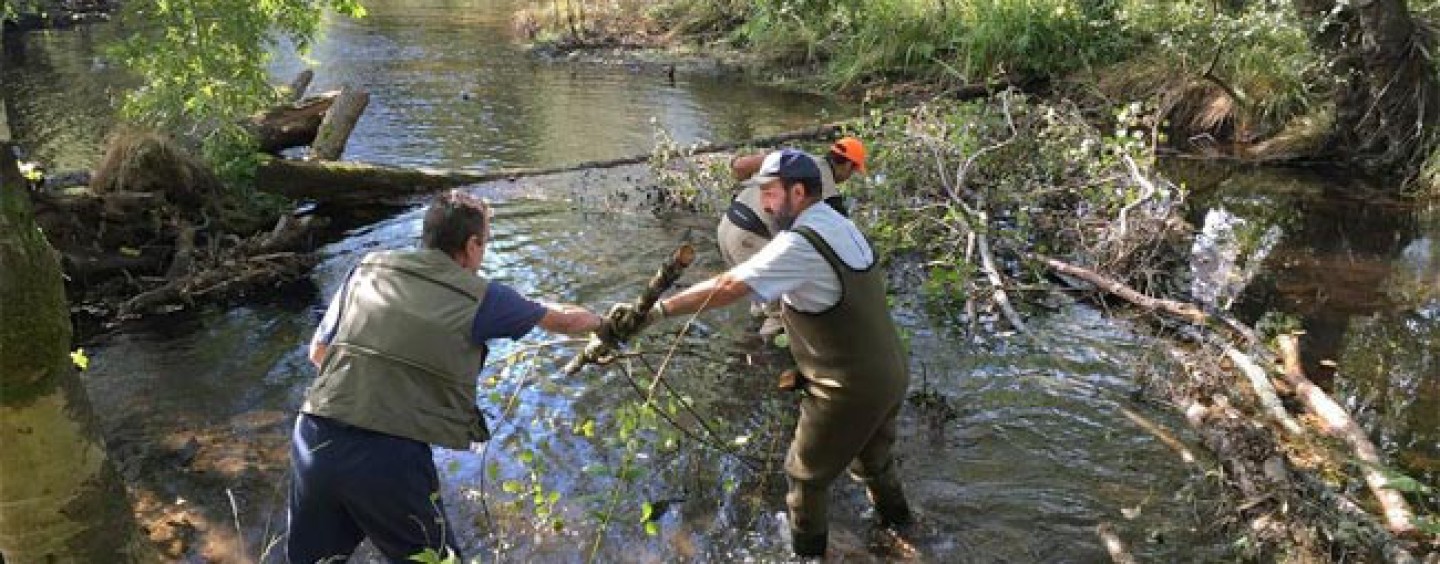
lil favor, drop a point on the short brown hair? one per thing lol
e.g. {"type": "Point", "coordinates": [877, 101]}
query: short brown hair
{"type": "Point", "coordinates": [453, 217]}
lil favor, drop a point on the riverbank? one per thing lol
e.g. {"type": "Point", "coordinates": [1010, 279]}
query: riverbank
{"type": "Point", "coordinates": [1250, 81]}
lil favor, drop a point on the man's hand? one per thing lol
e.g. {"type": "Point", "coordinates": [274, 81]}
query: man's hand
{"type": "Point", "coordinates": [624, 321]}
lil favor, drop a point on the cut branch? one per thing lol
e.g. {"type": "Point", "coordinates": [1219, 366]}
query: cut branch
{"type": "Point", "coordinates": [1182, 310]}
{"type": "Point", "coordinates": [1260, 383]}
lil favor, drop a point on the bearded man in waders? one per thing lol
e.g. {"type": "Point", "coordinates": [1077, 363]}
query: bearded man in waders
{"type": "Point", "coordinates": [399, 354]}
{"type": "Point", "coordinates": [854, 371]}
{"type": "Point", "coordinates": [746, 226]}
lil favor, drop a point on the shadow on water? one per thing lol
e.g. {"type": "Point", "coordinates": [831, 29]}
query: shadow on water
{"type": "Point", "coordinates": [1359, 270]}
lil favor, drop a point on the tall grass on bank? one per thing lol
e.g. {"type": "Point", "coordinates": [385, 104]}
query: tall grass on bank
{"type": "Point", "coordinates": [1250, 72]}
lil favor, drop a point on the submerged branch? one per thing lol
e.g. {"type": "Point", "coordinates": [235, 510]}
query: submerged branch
{"type": "Point", "coordinates": [1399, 518]}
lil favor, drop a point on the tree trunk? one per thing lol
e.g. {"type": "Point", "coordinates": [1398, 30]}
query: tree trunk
{"type": "Point", "coordinates": [1386, 104]}
{"type": "Point", "coordinates": [338, 123]}
{"type": "Point", "coordinates": [61, 498]}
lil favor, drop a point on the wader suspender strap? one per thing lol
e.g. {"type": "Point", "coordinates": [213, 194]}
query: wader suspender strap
{"type": "Point", "coordinates": [745, 218]}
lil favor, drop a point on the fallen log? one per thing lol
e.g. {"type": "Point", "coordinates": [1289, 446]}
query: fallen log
{"type": "Point", "coordinates": [358, 184]}
{"type": "Point", "coordinates": [290, 125]}
{"type": "Point", "coordinates": [1336, 422]}
{"type": "Point", "coordinates": [339, 121]}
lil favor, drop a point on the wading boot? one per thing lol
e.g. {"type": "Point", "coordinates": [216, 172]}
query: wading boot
{"type": "Point", "coordinates": [809, 545]}
{"type": "Point", "coordinates": [888, 498]}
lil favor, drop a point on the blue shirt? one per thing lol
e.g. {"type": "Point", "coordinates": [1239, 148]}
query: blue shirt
{"type": "Point", "coordinates": [503, 313]}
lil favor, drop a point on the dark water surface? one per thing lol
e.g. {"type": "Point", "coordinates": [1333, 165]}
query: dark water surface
{"type": "Point", "coordinates": [1019, 452]}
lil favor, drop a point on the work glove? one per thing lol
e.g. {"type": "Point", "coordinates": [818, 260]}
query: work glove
{"type": "Point", "coordinates": [624, 321]}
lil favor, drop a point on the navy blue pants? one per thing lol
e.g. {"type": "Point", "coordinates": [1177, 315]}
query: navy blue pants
{"type": "Point", "coordinates": [348, 483]}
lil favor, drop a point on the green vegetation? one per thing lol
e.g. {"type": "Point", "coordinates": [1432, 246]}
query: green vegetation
{"type": "Point", "coordinates": [1260, 78]}
{"type": "Point", "coordinates": [204, 66]}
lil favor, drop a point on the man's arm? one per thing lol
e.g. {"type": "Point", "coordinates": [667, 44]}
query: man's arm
{"type": "Point", "coordinates": [569, 319]}
{"type": "Point", "coordinates": [744, 166]}
{"type": "Point", "coordinates": [716, 292]}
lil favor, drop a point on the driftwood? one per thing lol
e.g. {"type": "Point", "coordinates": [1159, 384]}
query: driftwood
{"type": "Point", "coordinates": [339, 121]}
{"type": "Point", "coordinates": [290, 125]}
{"type": "Point", "coordinates": [227, 279]}
{"type": "Point", "coordinates": [602, 344]}
{"type": "Point", "coordinates": [1336, 422]}
{"type": "Point", "coordinates": [261, 260]}
{"type": "Point", "coordinates": [352, 184]}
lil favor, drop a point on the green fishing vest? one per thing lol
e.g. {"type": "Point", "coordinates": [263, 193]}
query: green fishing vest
{"type": "Point", "coordinates": [747, 213]}
{"type": "Point", "coordinates": [851, 351]}
{"type": "Point", "coordinates": [402, 361]}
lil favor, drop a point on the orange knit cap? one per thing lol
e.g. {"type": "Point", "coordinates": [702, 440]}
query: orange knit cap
{"type": "Point", "coordinates": [852, 149]}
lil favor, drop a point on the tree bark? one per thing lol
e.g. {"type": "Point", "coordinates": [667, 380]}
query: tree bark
{"type": "Point", "coordinates": [61, 498]}
{"type": "Point", "coordinates": [339, 121]}
{"type": "Point", "coordinates": [1386, 103]}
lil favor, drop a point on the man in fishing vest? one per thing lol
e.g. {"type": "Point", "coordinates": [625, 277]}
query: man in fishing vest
{"type": "Point", "coordinates": [824, 272]}
{"type": "Point", "coordinates": [746, 226]}
{"type": "Point", "coordinates": [399, 353]}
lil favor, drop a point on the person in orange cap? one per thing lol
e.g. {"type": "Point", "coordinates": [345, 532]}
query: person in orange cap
{"type": "Point", "coordinates": [746, 227]}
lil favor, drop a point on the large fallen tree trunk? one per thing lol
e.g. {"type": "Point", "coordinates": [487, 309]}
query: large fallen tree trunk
{"type": "Point", "coordinates": [350, 183]}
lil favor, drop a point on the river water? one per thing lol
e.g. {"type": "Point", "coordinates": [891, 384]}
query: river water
{"type": "Point", "coordinates": [1013, 449]}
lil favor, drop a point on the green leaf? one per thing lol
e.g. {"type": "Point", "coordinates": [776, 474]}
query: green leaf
{"type": "Point", "coordinates": [1403, 483]}
{"type": "Point", "coordinates": [652, 528]}
{"type": "Point", "coordinates": [130, 251]}
{"type": "Point", "coordinates": [511, 486]}
{"type": "Point", "coordinates": [81, 361]}
{"type": "Point", "coordinates": [646, 510]}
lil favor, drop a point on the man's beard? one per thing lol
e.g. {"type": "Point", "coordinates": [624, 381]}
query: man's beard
{"type": "Point", "coordinates": [785, 216]}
